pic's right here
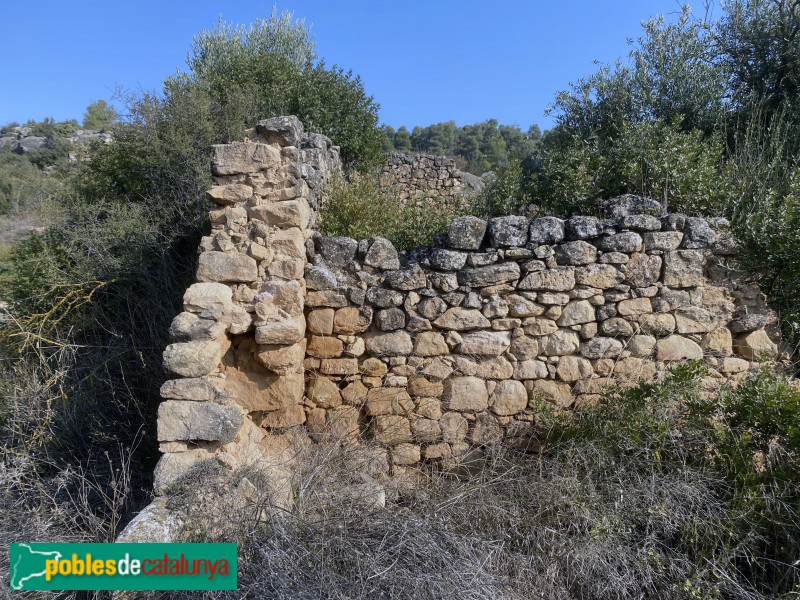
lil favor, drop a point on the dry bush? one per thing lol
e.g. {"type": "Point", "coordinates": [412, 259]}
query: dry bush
{"type": "Point", "coordinates": [638, 498]}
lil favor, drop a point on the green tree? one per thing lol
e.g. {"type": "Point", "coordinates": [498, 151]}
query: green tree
{"type": "Point", "coordinates": [271, 68]}
{"type": "Point", "coordinates": [402, 140]}
{"type": "Point", "coordinates": [99, 115]}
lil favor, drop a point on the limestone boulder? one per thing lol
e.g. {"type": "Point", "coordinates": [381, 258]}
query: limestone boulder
{"type": "Point", "coordinates": [664, 241]}
{"type": "Point", "coordinates": [430, 343]}
{"type": "Point", "coordinates": [323, 392]}
{"type": "Point", "coordinates": [755, 345]}
{"type": "Point", "coordinates": [602, 276]}
{"type": "Point", "coordinates": [390, 319]}
{"type": "Point", "coordinates": [180, 420]}
{"type": "Point", "coordinates": [683, 268]}
{"type": "Point", "coordinates": [573, 368]}
{"type": "Point", "coordinates": [391, 429]}
{"type": "Point", "coordinates": [530, 369]}
{"type": "Point", "coordinates": [454, 427]}
{"type": "Point", "coordinates": [284, 213]}
{"type": "Point", "coordinates": [576, 313]}
{"type": "Point", "coordinates": [285, 331]}
{"type": "Point", "coordinates": [412, 278]}
{"type": "Point", "coordinates": [635, 307]}
{"type": "Point", "coordinates": [225, 267]}
{"type": "Point", "coordinates": [629, 204]}
{"type": "Point", "coordinates": [352, 320]}
{"type": "Point", "coordinates": [489, 275]}
{"type": "Point", "coordinates": [422, 387]}
{"type": "Point", "coordinates": [749, 322]}
{"type": "Point", "coordinates": [697, 233]}
{"type": "Point", "coordinates": [601, 347]}
{"type": "Point", "coordinates": [395, 343]}
{"type": "Point", "coordinates": [462, 319]}
{"type": "Point", "coordinates": [546, 231]}
{"type": "Point", "coordinates": [639, 223]}
{"type": "Point", "coordinates": [524, 347]}
{"type": "Point", "coordinates": [508, 231]}
{"type": "Point", "coordinates": [243, 157]}
{"type": "Point", "coordinates": [551, 391]}
{"type": "Point", "coordinates": [319, 277]}
{"type": "Point", "coordinates": [582, 228]}
{"type": "Point", "coordinates": [195, 388]}
{"type": "Point", "coordinates": [485, 343]}
{"type": "Point", "coordinates": [575, 253]}
{"type": "Point", "coordinates": [676, 347]}
{"type": "Point", "coordinates": [465, 394]}
{"type": "Point", "coordinates": [562, 342]}
{"type": "Point", "coordinates": [627, 241]}
{"type": "Point", "coordinates": [509, 398]}
{"type": "Point", "coordinates": [336, 252]}
{"type": "Point", "coordinates": [558, 279]}
{"type": "Point", "coordinates": [230, 194]}
{"type": "Point", "coordinates": [187, 327]}
{"type": "Point", "coordinates": [210, 299]}
{"type": "Point", "coordinates": [486, 430]}
{"type": "Point", "coordinates": [693, 319]}
{"type": "Point", "coordinates": [192, 359]}
{"type": "Point", "coordinates": [657, 324]}
{"type": "Point", "coordinates": [279, 358]}
{"type": "Point", "coordinates": [642, 269]}
{"type": "Point", "coordinates": [466, 233]}
{"type": "Point", "coordinates": [448, 260]}
{"type": "Point", "coordinates": [388, 401]}
{"type": "Point", "coordinates": [283, 131]}
{"type": "Point", "coordinates": [261, 391]}
{"type": "Point", "coordinates": [718, 342]}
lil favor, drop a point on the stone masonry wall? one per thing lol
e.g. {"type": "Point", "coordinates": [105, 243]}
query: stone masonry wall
{"type": "Point", "coordinates": [442, 349]}
{"type": "Point", "coordinates": [289, 337]}
{"type": "Point", "coordinates": [238, 347]}
{"type": "Point", "coordinates": [419, 176]}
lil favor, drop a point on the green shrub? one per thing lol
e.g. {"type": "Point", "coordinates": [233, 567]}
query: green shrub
{"type": "Point", "coordinates": [23, 186]}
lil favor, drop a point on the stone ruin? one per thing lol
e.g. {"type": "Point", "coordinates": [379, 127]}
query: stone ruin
{"type": "Point", "coordinates": [419, 176]}
{"type": "Point", "coordinates": [289, 337]}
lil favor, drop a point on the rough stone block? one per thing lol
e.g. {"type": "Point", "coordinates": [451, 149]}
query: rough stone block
{"type": "Point", "coordinates": [192, 359]}
{"type": "Point", "coordinates": [466, 394]}
{"type": "Point", "coordinates": [223, 267]}
{"type": "Point", "coordinates": [185, 421]}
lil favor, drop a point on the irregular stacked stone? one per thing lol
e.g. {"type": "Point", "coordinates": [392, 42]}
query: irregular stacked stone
{"type": "Point", "coordinates": [239, 345]}
{"type": "Point", "coordinates": [414, 177]}
{"type": "Point", "coordinates": [438, 350]}
{"type": "Point", "coordinates": [289, 336]}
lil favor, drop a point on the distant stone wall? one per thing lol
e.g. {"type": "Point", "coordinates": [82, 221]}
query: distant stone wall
{"type": "Point", "coordinates": [418, 176]}
{"type": "Point", "coordinates": [289, 336]}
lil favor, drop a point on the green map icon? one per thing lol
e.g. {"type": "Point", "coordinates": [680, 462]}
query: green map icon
{"type": "Point", "coordinates": [28, 564]}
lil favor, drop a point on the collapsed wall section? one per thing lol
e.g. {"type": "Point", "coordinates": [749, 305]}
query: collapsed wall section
{"type": "Point", "coordinates": [442, 349]}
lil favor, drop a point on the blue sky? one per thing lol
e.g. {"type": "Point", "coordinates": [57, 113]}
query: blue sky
{"type": "Point", "coordinates": [423, 61]}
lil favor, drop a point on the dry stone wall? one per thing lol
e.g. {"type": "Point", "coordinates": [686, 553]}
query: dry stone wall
{"type": "Point", "coordinates": [418, 176]}
{"type": "Point", "coordinates": [288, 336]}
{"type": "Point", "coordinates": [442, 349]}
{"type": "Point", "coordinates": [238, 346]}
